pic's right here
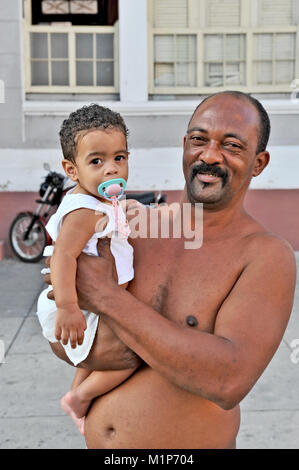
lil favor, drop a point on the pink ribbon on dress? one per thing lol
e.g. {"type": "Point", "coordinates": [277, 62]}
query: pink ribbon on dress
{"type": "Point", "coordinates": [123, 228]}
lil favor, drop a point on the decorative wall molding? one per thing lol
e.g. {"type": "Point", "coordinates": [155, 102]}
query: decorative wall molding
{"type": "Point", "coordinates": [146, 108]}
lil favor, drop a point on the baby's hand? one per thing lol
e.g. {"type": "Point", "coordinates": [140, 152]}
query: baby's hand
{"type": "Point", "coordinates": [70, 324]}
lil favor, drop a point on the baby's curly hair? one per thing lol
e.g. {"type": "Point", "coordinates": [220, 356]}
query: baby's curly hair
{"type": "Point", "coordinates": [87, 117]}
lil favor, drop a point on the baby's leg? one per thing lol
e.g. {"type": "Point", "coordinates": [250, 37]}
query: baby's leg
{"type": "Point", "coordinates": [77, 401]}
{"type": "Point", "coordinates": [80, 376]}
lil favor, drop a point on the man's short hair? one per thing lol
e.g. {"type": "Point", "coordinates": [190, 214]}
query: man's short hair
{"type": "Point", "coordinates": [265, 125]}
{"type": "Point", "coordinates": [87, 117]}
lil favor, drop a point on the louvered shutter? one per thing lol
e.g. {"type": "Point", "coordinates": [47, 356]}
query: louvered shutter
{"type": "Point", "coordinates": [276, 12]}
{"type": "Point", "coordinates": [222, 13]}
{"type": "Point", "coordinates": [171, 13]}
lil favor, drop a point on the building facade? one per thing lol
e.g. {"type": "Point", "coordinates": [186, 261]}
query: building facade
{"type": "Point", "coordinates": [153, 61]}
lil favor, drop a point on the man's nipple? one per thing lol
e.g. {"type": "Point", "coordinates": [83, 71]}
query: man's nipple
{"type": "Point", "coordinates": [191, 321]}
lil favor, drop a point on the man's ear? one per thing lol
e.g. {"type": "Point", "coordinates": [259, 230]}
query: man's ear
{"type": "Point", "coordinates": [261, 161]}
{"type": "Point", "coordinates": [70, 169]}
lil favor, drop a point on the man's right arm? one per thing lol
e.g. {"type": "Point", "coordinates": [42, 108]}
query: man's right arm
{"type": "Point", "coordinates": [107, 353]}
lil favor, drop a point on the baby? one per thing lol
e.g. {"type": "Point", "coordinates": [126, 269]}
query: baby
{"type": "Point", "coordinates": [94, 145]}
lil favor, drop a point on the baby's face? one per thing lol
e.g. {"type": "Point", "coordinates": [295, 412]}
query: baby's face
{"type": "Point", "coordinates": [101, 156]}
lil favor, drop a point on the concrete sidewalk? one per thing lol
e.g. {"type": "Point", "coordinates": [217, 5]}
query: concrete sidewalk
{"type": "Point", "coordinates": [32, 379]}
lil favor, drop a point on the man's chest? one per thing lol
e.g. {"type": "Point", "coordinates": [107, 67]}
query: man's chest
{"type": "Point", "coordinates": [186, 286]}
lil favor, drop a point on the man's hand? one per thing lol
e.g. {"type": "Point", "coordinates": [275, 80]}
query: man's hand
{"type": "Point", "coordinates": [70, 325]}
{"type": "Point", "coordinates": [106, 267]}
{"type": "Point", "coordinates": [96, 277]}
{"type": "Point", "coordinates": [47, 279]}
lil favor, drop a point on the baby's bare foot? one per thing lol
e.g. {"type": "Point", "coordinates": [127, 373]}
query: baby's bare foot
{"type": "Point", "coordinates": [76, 408]}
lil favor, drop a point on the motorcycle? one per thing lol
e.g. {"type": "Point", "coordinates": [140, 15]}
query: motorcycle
{"type": "Point", "coordinates": [28, 236]}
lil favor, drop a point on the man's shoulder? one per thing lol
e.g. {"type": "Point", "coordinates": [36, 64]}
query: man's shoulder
{"type": "Point", "coordinates": [268, 245]}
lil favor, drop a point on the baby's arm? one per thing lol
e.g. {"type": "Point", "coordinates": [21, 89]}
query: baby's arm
{"type": "Point", "coordinates": [76, 230]}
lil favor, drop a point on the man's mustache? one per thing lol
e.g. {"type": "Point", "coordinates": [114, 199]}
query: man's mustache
{"type": "Point", "coordinates": [206, 169]}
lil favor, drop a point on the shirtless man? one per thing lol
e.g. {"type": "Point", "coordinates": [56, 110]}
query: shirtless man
{"type": "Point", "coordinates": [237, 288]}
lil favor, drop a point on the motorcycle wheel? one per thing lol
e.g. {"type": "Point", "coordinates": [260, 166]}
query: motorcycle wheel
{"type": "Point", "coordinates": [30, 250]}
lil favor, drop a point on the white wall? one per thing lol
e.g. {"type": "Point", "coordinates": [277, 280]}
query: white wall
{"type": "Point", "coordinates": [150, 169]}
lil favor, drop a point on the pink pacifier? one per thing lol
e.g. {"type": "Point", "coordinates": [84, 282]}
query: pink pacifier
{"type": "Point", "coordinates": [112, 190]}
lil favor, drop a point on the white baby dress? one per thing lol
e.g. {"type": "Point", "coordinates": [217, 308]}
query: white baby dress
{"type": "Point", "coordinates": [121, 250]}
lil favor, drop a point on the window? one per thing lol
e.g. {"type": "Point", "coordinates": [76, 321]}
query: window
{"type": "Point", "coordinates": [175, 60]}
{"type": "Point", "coordinates": [201, 46]}
{"type": "Point", "coordinates": [224, 59]}
{"type": "Point", "coordinates": [94, 59]}
{"type": "Point", "coordinates": [49, 59]}
{"type": "Point", "coordinates": [274, 58]}
{"type": "Point", "coordinates": [66, 57]}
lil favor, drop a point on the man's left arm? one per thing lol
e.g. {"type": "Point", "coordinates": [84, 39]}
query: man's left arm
{"type": "Point", "coordinates": [223, 366]}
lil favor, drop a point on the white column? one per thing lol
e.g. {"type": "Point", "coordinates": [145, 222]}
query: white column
{"type": "Point", "coordinates": [133, 52]}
